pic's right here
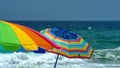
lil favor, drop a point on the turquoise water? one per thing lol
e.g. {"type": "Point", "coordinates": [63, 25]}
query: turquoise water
{"type": "Point", "coordinates": [103, 36]}
{"type": "Point", "coordinates": [100, 34]}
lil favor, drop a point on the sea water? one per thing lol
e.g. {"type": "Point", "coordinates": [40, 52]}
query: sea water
{"type": "Point", "coordinates": [103, 36]}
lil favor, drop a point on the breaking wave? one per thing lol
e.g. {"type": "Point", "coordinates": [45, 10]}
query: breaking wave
{"type": "Point", "coordinates": [107, 56]}
{"type": "Point", "coordinates": [101, 58]}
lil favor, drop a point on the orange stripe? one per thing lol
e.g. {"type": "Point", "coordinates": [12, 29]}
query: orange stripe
{"type": "Point", "coordinates": [75, 49]}
{"type": "Point", "coordinates": [24, 38]}
{"type": "Point", "coordinates": [37, 39]}
{"type": "Point", "coordinates": [86, 57]}
{"type": "Point", "coordinates": [77, 41]}
{"type": "Point", "coordinates": [45, 39]}
{"type": "Point", "coordinates": [48, 32]}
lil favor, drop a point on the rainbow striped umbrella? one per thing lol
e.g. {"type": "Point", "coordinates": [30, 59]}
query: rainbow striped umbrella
{"type": "Point", "coordinates": [66, 40]}
{"type": "Point", "coordinates": [70, 44]}
{"type": "Point", "coordinates": [15, 37]}
{"type": "Point", "coordinates": [73, 54]}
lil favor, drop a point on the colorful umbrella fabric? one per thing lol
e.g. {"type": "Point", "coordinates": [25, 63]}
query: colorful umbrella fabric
{"type": "Point", "coordinates": [15, 37]}
{"type": "Point", "coordinates": [78, 54]}
{"type": "Point", "coordinates": [71, 45]}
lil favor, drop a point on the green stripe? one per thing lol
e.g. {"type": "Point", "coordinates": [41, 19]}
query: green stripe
{"type": "Point", "coordinates": [67, 45]}
{"type": "Point", "coordinates": [75, 53]}
{"type": "Point", "coordinates": [2, 50]}
{"type": "Point", "coordinates": [8, 38]}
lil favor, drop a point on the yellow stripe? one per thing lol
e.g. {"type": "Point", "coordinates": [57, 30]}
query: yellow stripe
{"type": "Point", "coordinates": [67, 47]}
{"type": "Point", "coordinates": [82, 55]}
{"type": "Point", "coordinates": [49, 35]}
{"type": "Point", "coordinates": [84, 48]}
{"type": "Point", "coordinates": [87, 54]}
{"type": "Point", "coordinates": [60, 40]}
{"type": "Point", "coordinates": [80, 42]}
{"type": "Point", "coordinates": [25, 40]}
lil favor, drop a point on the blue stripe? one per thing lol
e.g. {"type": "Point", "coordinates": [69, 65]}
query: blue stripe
{"type": "Point", "coordinates": [83, 53]}
{"type": "Point", "coordinates": [82, 45]}
{"type": "Point", "coordinates": [72, 45]}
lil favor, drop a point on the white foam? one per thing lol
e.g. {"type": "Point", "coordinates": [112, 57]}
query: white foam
{"type": "Point", "coordinates": [118, 48]}
{"type": "Point", "coordinates": [110, 56]}
{"type": "Point", "coordinates": [47, 60]}
{"type": "Point", "coordinates": [106, 56]}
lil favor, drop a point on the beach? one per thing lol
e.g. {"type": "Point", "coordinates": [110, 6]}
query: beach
{"type": "Point", "coordinates": [103, 36]}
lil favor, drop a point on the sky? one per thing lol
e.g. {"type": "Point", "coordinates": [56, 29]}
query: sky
{"type": "Point", "coordinates": [59, 10]}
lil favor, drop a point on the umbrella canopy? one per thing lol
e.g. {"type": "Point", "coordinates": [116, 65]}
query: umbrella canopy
{"type": "Point", "coordinates": [71, 45]}
{"type": "Point", "coordinates": [78, 54]}
{"type": "Point", "coordinates": [15, 37]}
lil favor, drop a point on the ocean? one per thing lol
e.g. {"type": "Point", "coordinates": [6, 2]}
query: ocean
{"type": "Point", "coordinates": [103, 36]}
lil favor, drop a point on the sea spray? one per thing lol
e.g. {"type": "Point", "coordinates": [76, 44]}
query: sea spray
{"type": "Point", "coordinates": [100, 58]}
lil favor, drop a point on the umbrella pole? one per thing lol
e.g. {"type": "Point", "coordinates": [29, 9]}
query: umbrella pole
{"type": "Point", "coordinates": [56, 61]}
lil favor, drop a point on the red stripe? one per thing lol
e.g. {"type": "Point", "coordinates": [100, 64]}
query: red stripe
{"type": "Point", "coordinates": [71, 56]}
{"type": "Point", "coordinates": [48, 32]}
{"type": "Point", "coordinates": [91, 53]}
{"type": "Point", "coordinates": [49, 41]}
{"type": "Point", "coordinates": [76, 49]}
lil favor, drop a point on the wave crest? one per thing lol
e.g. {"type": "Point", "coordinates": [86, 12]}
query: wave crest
{"type": "Point", "coordinates": [106, 56]}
